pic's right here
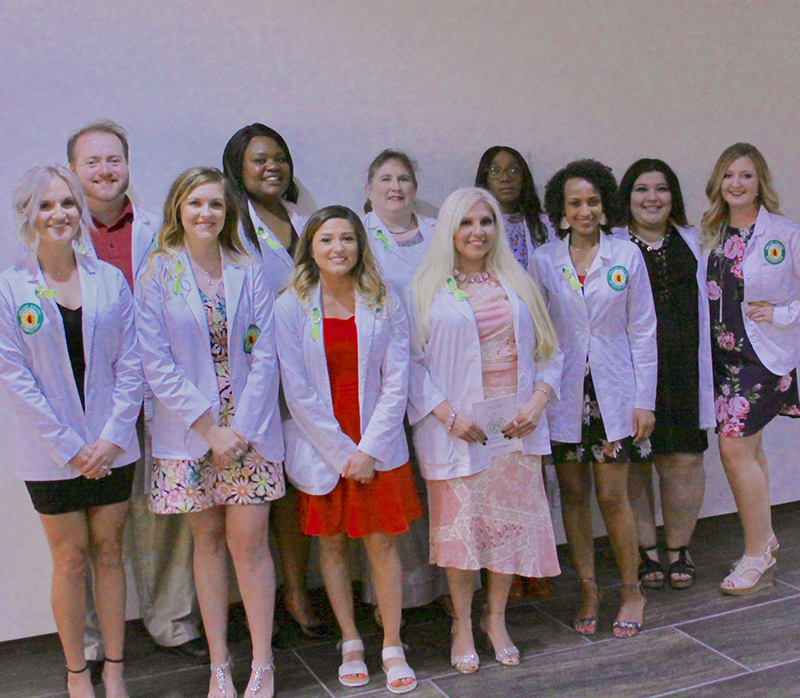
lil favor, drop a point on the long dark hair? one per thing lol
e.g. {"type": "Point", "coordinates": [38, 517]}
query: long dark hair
{"type": "Point", "coordinates": [529, 204]}
{"type": "Point", "coordinates": [233, 164]}
{"type": "Point", "coordinates": [643, 166]}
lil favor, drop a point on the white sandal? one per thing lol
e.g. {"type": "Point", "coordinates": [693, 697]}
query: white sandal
{"type": "Point", "coordinates": [398, 673]}
{"type": "Point", "coordinates": [356, 666]}
{"type": "Point", "coordinates": [740, 586]}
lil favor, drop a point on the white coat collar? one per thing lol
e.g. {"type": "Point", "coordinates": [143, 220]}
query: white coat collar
{"type": "Point", "coordinates": [269, 243]}
{"type": "Point", "coordinates": [762, 221]}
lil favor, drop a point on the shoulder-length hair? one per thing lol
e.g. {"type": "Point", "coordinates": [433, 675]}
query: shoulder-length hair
{"type": "Point", "coordinates": [594, 172]}
{"type": "Point", "coordinates": [437, 267]}
{"type": "Point", "coordinates": [365, 274]}
{"type": "Point", "coordinates": [29, 194]}
{"type": "Point", "coordinates": [233, 164]}
{"type": "Point", "coordinates": [717, 214]}
{"type": "Point", "coordinates": [171, 238]}
{"type": "Point", "coordinates": [677, 215]}
{"type": "Point", "coordinates": [529, 204]}
{"type": "Point", "coordinates": [383, 157]}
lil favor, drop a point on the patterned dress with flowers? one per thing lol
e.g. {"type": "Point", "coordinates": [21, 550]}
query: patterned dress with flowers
{"type": "Point", "coordinates": [747, 395]}
{"type": "Point", "coordinates": [181, 486]}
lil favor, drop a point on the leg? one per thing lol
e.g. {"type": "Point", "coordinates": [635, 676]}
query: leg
{"type": "Point", "coordinates": [682, 480]}
{"type": "Point", "coordinates": [462, 653]}
{"type": "Point", "coordinates": [68, 539]}
{"type": "Point", "coordinates": [387, 577]}
{"type": "Point", "coordinates": [611, 484]}
{"type": "Point", "coordinates": [106, 526]}
{"type": "Point", "coordinates": [761, 457]}
{"type": "Point", "coordinates": [493, 621]}
{"type": "Point", "coordinates": [211, 576]}
{"type": "Point", "coordinates": [294, 548]}
{"type": "Point", "coordinates": [640, 494]}
{"type": "Point", "coordinates": [247, 530]}
{"type": "Point", "coordinates": [575, 485]}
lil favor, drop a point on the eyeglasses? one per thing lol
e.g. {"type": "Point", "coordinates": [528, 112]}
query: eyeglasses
{"type": "Point", "coordinates": [497, 173]}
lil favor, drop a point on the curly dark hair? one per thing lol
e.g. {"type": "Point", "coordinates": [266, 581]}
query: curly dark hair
{"type": "Point", "coordinates": [640, 167]}
{"type": "Point", "coordinates": [594, 172]}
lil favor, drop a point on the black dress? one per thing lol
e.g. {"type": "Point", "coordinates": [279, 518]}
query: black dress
{"type": "Point", "coordinates": [673, 277]}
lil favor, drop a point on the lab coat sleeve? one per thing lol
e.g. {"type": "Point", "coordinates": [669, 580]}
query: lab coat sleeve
{"type": "Point", "coordinates": [120, 429]}
{"type": "Point", "coordinates": [786, 315]}
{"type": "Point", "coordinates": [550, 372]}
{"type": "Point", "coordinates": [642, 334]}
{"type": "Point", "coordinates": [313, 418]}
{"type": "Point", "coordinates": [25, 398]}
{"type": "Point", "coordinates": [165, 378]}
{"type": "Point", "coordinates": [423, 393]}
{"type": "Point", "coordinates": [387, 417]}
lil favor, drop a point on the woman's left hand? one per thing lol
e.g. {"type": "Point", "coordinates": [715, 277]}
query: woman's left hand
{"type": "Point", "coordinates": [527, 418]}
{"type": "Point", "coordinates": [761, 311]}
{"type": "Point", "coordinates": [643, 423]}
{"type": "Point", "coordinates": [360, 467]}
{"type": "Point", "coordinates": [104, 453]}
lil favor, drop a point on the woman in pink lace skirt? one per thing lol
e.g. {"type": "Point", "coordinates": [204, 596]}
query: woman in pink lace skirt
{"type": "Point", "coordinates": [480, 332]}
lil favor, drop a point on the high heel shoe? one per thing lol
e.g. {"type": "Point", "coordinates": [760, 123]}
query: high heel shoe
{"type": "Point", "coordinates": [648, 568]}
{"type": "Point", "coordinates": [257, 677]}
{"type": "Point", "coordinates": [465, 663]}
{"type": "Point", "coordinates": [764, 564]}
{"type": "Point", "coordinates": [220, 672]}
{"type": "Point", "coordinates": [587, 625]}
{"type": "Point", "coordinates": [507, 656]}
{"type": "Point", "coordinates": [681, 566]}
{"type": "Point", "coordinates": [624, 629]}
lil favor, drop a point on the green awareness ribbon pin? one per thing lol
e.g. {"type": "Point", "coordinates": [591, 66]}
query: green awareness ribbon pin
{"type": "Point", "coordinates": [316, 320]}
{"type": "Point", "coordinates": [457, 292]}
{"type": "Point", "coordinates": [178, 272]}
{"type": "Point", "coordinates": [573, 280]}
{"type": "Point", "coordinates": [265, 236]}
{"type": "Point", "coordinates": [380, 236]}
{"type": "Point", "coordinates": [45, 293]}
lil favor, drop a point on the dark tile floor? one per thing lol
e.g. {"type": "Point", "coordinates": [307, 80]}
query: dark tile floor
{"type": "Point", "coordinates": [697, 643]}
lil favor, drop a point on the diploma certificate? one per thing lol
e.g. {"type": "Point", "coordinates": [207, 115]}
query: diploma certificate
{"type": "Point", "coordinates": [491, 416]}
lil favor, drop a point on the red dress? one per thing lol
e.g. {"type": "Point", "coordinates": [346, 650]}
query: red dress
{"type": "Point", "coordinates": [388, 503]}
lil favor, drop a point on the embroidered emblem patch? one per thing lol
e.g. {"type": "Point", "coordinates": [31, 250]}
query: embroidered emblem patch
{"type": "Point", "coordinates": [266, 237]}
{"type": "Point", "coordinates": [250, 338]}
{"type": "Point", "coordinates": [774, 252]}
{"type": "Point", "coordinates": [30, 318]}
{"type": "Point", "coordinates": [618, 278]}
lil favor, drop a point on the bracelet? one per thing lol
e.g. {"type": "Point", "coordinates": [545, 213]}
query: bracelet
{"type": "Point", "coordinates": [453, 415]}
{"type": "Point", "coordinates": [542, 390]}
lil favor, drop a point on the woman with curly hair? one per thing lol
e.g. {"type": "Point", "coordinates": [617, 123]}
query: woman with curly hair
{"type": "Point", "coordinates": [600, 301]}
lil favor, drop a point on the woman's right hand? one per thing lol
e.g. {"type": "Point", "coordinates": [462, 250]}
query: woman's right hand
{"type": "Point", "coordinates": [80, 459]}
{"type": "Point", "coordinates": [227, 444]}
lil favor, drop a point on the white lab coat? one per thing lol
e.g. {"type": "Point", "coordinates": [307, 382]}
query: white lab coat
{"type": "Point", "coordinates": [316, 447]}
{"type": "Point", "coordinates": [446, 365]}
{"type": "Point", "coordinates": [777, 344]}
{"type": "Point", "coordinates": [276, 261]}
{"type": "Point", "coordinates": [551, 236]}
{"type": "Point", "coordinates": [176, 352]}
{"type": "Point", "coordinates": [36, 373]}
{"type": "Point", "coordinates": [692, 239]}
{"type": "Point", "coordinates": [615, 328]}
{"type": "Point", "coordinates": [398, 263]}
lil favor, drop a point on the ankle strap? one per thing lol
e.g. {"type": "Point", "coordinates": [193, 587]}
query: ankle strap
{"type": "Point", "coordinates": [114, 661]}
{"type": "Point", "coordinates": [682, 549]}
{"type": "Point", "coordinates": [78, 671]}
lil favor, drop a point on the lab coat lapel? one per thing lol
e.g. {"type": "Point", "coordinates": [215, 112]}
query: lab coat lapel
{"type": "Point", "coordinates": [233, 277]}
{"type": "Point", "coordinates": [89, 303]}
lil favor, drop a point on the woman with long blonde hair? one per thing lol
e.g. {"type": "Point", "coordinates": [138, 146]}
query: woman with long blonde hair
{"type": "Point", "coordinates": [754, 299]}
{"type": "Point", "coordinates": [481, 340]}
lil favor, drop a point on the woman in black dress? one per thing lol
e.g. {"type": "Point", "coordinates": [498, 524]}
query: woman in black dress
{"type": "Point", "coordinates": [754, 299]}
{"type": "Point", "coordinates": [652, 211]}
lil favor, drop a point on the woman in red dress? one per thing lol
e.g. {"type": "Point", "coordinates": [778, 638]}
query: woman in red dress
{"type": "Point", "coordinates": [344, 356]}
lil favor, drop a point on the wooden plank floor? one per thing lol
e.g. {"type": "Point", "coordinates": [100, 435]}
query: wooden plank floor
{"type": "Point", "coordinates": [697, 643]}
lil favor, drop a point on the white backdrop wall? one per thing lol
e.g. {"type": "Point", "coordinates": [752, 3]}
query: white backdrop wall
{"type": "Point", "coordinates": [443, 79]}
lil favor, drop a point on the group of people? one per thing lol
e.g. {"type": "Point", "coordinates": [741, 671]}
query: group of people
{"type": "Point", "coordinates": [341, 367]}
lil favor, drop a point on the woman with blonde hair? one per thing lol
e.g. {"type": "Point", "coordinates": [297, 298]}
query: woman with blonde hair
{"type": "Point", "coordinates": [72, 376]}
{"type": "Point", "coordinates": [754, 298]}
{"type": "Point", "coordinates": [487, 502]}
{"type": "Point", "coordinates": [205, 324]}
{"type": "Point", "coordinates": [343, 348]}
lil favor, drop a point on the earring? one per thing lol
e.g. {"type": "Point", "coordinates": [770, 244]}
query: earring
{"type": "Point", "coordinates": [603, 219]}
{"type": "Point", "coordinates": [564, 225]}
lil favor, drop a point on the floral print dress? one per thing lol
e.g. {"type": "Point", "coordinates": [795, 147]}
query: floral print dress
{"type": "Point", "coordinates": [747, 395]}
{"type": "Point", "coordinates": [181, 486]}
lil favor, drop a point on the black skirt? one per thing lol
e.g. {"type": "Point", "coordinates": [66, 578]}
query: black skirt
{"type": "Point", "coordinates": [63, 496]}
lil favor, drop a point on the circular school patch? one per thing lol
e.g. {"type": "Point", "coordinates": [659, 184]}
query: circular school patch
{"type": "Point", "coordinates": [30, 317]}
{"type": "Point", "coordinates": [774, 252]}
{"type": "Point", "coordinates": [496, 426]}
{"type": "Point", "coordinates": [618, 278]}
{"type": "Point", "coordinates": [250, 338]}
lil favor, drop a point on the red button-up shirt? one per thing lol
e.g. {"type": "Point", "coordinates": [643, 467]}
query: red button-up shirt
{"type": "Point", "coordinates": [113, 242]}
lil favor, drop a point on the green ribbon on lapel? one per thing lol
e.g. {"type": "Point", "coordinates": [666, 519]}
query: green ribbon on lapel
{"type": "Point", "coordinates": [380, 236]}
{"type": "Point", "coordinates": [45, 293]}
{"type": "Point", "coordinates": [177, 271]}
{"type": "Point", "coordinates": [266, 237]}
{"type": "Point", "coordinates": [574, 281]}
{"type": "Point", "coordinates": [457, 292]}
{"type": "Point", "coordinates": [316, 321]}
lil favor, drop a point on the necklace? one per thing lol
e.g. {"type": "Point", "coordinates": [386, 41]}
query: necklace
{"type": "Point", "coordinates": [479, 279]}
{"type": "Point", "coordinates": [211, 282]}
{"type": "Point", "coordinates": [406, 230]}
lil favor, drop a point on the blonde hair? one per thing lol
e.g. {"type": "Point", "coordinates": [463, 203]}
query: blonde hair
{"type": "Point", "coordinates": [437, 267]}
{"type": "Point", "coordinates": [28, 196]}
{"type": "Point", "coordinates": [170, 241]}
{"type": "Point", "coordinates": [717, 215]}
{"type": "Point", "coordinates": [366, 274]}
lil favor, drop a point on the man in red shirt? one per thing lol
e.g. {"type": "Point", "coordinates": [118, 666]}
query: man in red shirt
{"type": "Point", "coordinates": [160, 546]}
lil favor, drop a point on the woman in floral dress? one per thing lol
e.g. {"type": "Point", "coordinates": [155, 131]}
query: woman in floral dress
{"type": "Point", "coordinates": [205, 324]}
{"type": "Point", "coordinates": [754, 299]}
